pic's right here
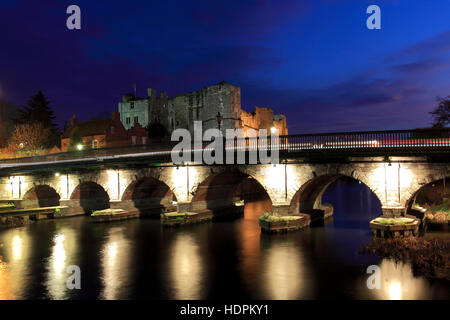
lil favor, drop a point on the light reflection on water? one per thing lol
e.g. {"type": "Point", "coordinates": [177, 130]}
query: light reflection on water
{"type": "Point", "coordinates": [64, 250]}
{"type": "Point", "coordinates": [186, 268]}
{"type": "Point", "coordinates": [399, 283]}
{"type": "Point", "coordinates": [14, 275]}
{"type": "Point", "coordinates": [137, 258]}
{"type": "Point", "coordinates": [115, 262]}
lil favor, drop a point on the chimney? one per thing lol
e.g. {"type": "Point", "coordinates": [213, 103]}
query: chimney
{"type": "Point", "coordinates": [151, 93]}
{"type": "Point", "coordinates": [73, 121]}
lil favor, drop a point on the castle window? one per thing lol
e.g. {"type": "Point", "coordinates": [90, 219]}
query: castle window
{"type": "Point", "coordinates": [132, 105]}
{"type": "Point", "coordinates": [94, 144]}
{"type": "Point", "coordinates": [128, 121]}
{"type": "Point", "coordinates": [136, 120]}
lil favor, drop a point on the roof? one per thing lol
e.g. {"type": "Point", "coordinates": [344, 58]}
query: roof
{"type": "Point", "coordinates": [90, 127]}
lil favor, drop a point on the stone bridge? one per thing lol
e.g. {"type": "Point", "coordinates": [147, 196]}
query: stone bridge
{"type": "Point", "coordinates": [395, 165]}
{"type": "Point", "coordinates": [292, 187]}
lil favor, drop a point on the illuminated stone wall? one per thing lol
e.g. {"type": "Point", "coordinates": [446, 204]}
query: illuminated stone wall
{"type": "Point", "coordinates": [394, 184]}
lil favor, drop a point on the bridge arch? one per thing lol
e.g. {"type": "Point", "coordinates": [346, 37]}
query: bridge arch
{"type": "Point", "coordinates": [42, 195]}
{"type": "Point", "coordinates": [308, 199]}
{"type": "Point", "coordinates": [432, 192]}
{"type": "Point", "coordinates": [90, 196]}
{"type": "Point", "coordinates": [220, 190]}
{"type": "Point", "coordinates": [150, 196]}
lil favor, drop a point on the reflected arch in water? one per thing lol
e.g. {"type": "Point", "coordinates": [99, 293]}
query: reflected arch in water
{"type": "Point", "coordinates": [219, 192]}
{"type": "Point", "coordinates": [90, 196]}
{"type": "Point", "coordinates": [41, 196]}
{"type": "Point", "coordinates": [150, 195]}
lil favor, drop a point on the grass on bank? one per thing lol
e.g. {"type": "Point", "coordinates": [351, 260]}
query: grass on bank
{"type": "Point", "coordinates": [106, 212]}
{"type": "Point", "coordinates": [268, 217]}
{"type": "Point", "coordinates": [7, 205]}
{"type": "Point", "coordinates": [393, 222]}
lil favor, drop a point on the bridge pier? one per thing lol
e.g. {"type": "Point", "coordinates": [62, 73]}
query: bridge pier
{"type": "Point", "coordinates": [280, 210]}
{"type": "Point", "coordinates": [393, 211]}
{"type": "Point", "coordinates": [183, 206]}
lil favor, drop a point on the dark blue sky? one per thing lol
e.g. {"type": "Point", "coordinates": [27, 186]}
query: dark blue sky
{"type": "Point", "coordinates": [314, 61]}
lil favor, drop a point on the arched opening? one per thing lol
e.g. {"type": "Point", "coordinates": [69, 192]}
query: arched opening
{"type": "Point", "coordinates": [90, 197]}
{"type": "Point", "coordinates": [230, 194]}
{"type": "Point", "coordinates": [350, 201]}
{"type": "Point", "coordinates": [432, 199]}
{"type": "Point", "coordinates": [41, 196]}
{"type": "Point", "coordinates": [150, 196]}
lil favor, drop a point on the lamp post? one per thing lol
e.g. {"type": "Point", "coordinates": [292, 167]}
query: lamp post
{"type": "Point", "coordinates": [219, 118]}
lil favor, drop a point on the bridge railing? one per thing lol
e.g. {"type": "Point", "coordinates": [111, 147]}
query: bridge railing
{"type": "Point", "coordinates": [393, 140]}
{"type": "Point", "coordinates": [419, 139]}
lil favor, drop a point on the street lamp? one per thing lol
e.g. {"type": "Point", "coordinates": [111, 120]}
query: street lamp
{"type": "Point", "coordinates": [219, 119]}
{"type": "Point", "coordinates": [273, 130]}
{"type": "Point", "coordinates": [79, 147]}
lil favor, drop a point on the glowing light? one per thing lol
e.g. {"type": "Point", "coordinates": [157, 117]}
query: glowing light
{"type": "Point", "coordinates": [111, 250]}
{"type": "Point", "coordinates": [79, 146]}
{"type": "Point", "coordinates": [17, 247]}
{"type": "Point", "coordinates": [59, 253]}
{"type": "Point", "coordinates": [273, 130]}
{"type": "Point", "coordinates": [66, 186]}
{"type": "Point", "coordinates": [398, 283]}
{"type": "Point", "coordinates": [57, 174]}
{"type": "Point", "coordinates": [395, 291]}
{"type": "Point", "coordinates": [182, 184]}
{"type": "Point", "coordinates": [115, 185]}
{"type": "Point", "coordinates": [17, 185]}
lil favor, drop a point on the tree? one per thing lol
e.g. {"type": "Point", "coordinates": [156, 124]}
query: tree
{"type": "Point", "coordinates": [38, 110]}
{"type": "Point", "coordinates": [29, 138]}
{"type": "Point", "coordinates": [441, 115]}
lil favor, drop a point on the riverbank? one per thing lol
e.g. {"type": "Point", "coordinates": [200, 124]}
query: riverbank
{"type": "Point", "coordinates": [428, 257]}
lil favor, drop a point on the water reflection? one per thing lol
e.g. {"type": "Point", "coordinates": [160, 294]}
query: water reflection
{"type": "Point", "coordinates": [115, 263]}
{"type": "Point", "coordinates": [64, 249]}
{"type": "Point", "coordinates": [398, 282]}
{"type": "Point", "coordinates": [284, 271]}
{"type": "Point", "coordinates": [186, 267]}
{"type": "Point", "coordinates": [14, 273]}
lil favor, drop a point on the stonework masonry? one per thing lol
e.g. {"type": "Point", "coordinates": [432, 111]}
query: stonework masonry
{"type": "Point", "coordinates": [293, 188]}
{"type": "Point", "coordinates": [203, 105]}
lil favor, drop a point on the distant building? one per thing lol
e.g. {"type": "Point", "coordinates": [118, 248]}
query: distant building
{"type": "Point", "coordinates": [102, 133]}
{"type": "Point", "coordinates": [223, 100]}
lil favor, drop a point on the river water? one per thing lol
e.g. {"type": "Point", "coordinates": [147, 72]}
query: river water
{"type": "Point", "coordinates": [138, 259]}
